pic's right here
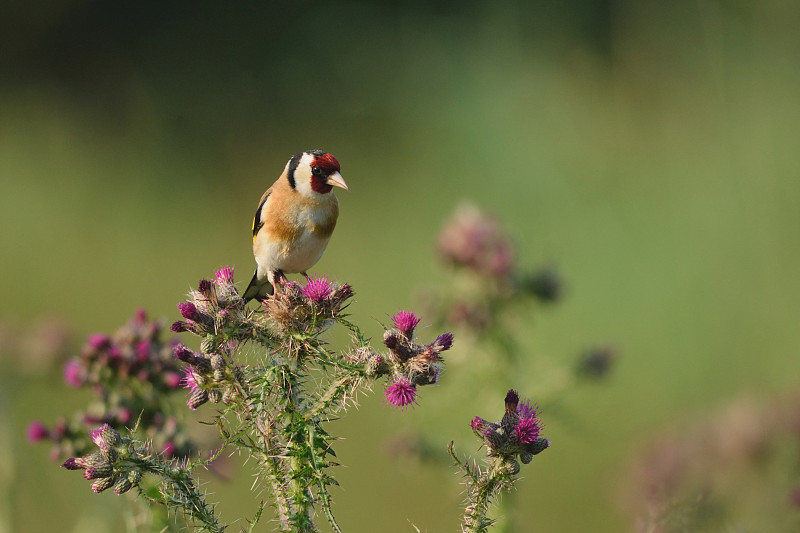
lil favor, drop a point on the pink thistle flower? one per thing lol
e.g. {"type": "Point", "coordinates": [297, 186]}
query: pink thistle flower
{"type": "Point", "coordinates": [73, 373]}
{"type": "Point", "coordinates": [124, 415]}
{"type": "Point", "coordinates": [527, 430]}
{"type": "Point", "coordinates": [172, 380]}
{"type": "Point", "coordinates": [143, 350]}
{"type": "Point", "coordinates": [141, 316]}
{"type": "Point", "coordinates": [405, 321]}
{"type": "Point", "coordinates": [98, 341]}
{"type": "Point", "coordinates": [114, 353]}
{"type": "Point", "coordinates": [318, 288]}
{"type": "Point", "coordinates": [104, 437]}
{"type": "Point", "coordinates": [224, 275]}
{"type": "Point", "coordinates": [481, 427]}
{"type": "Point", "coordinates": [401, 393]}
{"type": "Point", "coordinates": [168, 449]}
{"type": "Point", "coordinates": [37, 432]}
{"type": "Point", "coordinates": [190, 380]}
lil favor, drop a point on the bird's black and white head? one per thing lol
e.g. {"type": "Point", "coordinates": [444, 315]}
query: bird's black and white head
{"type": "Point", "coordinates": [314, 173]}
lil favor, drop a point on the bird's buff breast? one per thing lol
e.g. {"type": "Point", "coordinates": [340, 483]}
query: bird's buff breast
{"type": "Point", "coordinates": [295, 245]}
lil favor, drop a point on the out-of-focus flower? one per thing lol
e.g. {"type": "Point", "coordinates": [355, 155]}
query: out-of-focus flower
{"type": "Point", "coordinates": [131, 371]}
{"type": "Point", "coordinates": [686, 476]}
{"type": "Point", "coordinates": [74, 373]}
{"type": "Point", "coordinates": [37, 432]}
{"type": "Point", "coordinates": [475, 240]}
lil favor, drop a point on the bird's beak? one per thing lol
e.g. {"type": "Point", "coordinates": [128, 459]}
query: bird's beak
{"type": "Point", "coordinates": [337, 180]}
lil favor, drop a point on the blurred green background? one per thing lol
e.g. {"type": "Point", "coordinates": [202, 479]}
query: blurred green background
{"type": "Point", "coordinates": [648, 150]}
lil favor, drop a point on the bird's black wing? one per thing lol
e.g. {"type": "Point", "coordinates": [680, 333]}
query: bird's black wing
{"type": "Point", "coordinates": [257, 222]}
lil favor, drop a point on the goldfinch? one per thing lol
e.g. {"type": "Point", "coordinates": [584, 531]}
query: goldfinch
{"type": "Point", "coordinates": [294, 220]}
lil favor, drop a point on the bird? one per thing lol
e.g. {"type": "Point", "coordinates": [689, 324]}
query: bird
{"type": "Point", "coordinates": [294, 220]}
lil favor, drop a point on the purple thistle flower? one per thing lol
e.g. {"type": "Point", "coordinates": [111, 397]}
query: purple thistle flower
{"type": "Point", "coordinates": [188, 310]}
{"type": "Point", "coordinates": [185, 354]}
{"type": "Point", "coordinates": [444, 341]}
{"type": "Point", "coordinates": [401, 393]}
{"type": "Point", "coordinates": [512, 400]}
{"type": "Point", "coordinates": [73, 373]}
{"type": "Point", "coordinates": [224, 275]}
{"type": "Point", "coordinates": [204, 286]}
{"type": "Point", "coordinates": [405, 321]}
{"type": "Point", "coordinates": [74, 463]}
{"type": "Point", "coordinates": [527, 429]}
{"type": "Point", "coordinates": [318, 288]}
{"type": "Point", "coordinates": [526, 410]}
{"type": "Point", "coordinates": [37, 432]}
{"type": "Point", "coordinates": [179, 327]}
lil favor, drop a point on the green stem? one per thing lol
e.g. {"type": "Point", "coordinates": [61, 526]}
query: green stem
{"type": "Point", "coordinates": [178, 489]}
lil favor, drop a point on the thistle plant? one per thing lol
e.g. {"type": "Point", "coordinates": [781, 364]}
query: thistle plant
{"type": "Point", "coordinates": [271, 383]}
{"type": "Point", "coordinates": [513, 440]}
{"type": "Point", "coordinates": [275, 383]}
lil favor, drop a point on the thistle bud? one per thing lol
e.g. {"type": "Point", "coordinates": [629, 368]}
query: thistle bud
{"type": "Point", "coordinates": [123, 485]}
{"type": "Point", "coordinates": [197, 398]}
{"type": "Point", "coordinates": [102, 484]}
{"type": "Point", "coordinates": [103, 469]}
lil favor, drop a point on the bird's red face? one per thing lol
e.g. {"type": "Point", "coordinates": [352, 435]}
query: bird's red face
{"type": "Point", "coordinates": [325, 173]}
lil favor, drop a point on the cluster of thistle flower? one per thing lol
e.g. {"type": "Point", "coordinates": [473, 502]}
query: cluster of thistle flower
{"type": "Point", "coordinates": [412, 364]}
{"type": "Point", "coordinates": [113, 465]}
{"type": "Point", "coordinates": [475, 244]}
{"type": "Point", "coordinates": [516, 436]}
{"type": "Point", "coordinates": [218, 314]}
{"type": "Point", "coordinates": [131, 373]}
{"type": "Point", "coordinates": [216, 311]}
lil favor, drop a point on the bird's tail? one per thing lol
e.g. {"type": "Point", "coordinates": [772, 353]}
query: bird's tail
{"type": "Point", "coordinates": [253, 289]}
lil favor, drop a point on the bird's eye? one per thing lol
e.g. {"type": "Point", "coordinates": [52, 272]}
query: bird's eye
{"type": "Point", "coordinates": [317, 171]}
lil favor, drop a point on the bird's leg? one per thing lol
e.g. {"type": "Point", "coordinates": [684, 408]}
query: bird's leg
{"type": "Point", "coordinates": [278, 279]}
{"type": "Point", "coordinates": [305, 274]}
